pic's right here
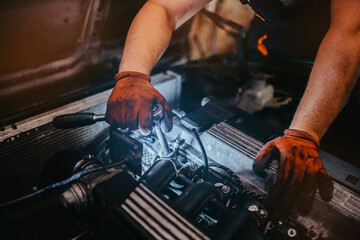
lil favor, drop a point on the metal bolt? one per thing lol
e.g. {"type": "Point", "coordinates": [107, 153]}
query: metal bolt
{"type": "Point", "coordinates": [225, 189]}
{"type": "Point", "coordinates": [263, 213]}
{"type": "Point", "coordinates": [291, 232]}
{"type": "Point", "coordinates": [204, 101]}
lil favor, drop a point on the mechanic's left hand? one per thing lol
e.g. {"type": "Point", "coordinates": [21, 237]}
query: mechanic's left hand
{"type": "Point", "coordinates": [300, 171]}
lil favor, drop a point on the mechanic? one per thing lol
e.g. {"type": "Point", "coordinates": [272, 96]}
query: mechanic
{"type": "Point", "coordinates": [331, 81]}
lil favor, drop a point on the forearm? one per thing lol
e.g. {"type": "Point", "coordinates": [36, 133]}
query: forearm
{"type": "Point", "coordinates": [151, 30]}
{"type": "Point", "coordinates": [147, 39]}
{"type": "Point", "coordinates": [333, 77]}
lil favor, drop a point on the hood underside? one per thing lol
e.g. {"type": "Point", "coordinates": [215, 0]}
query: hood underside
{"type": "Point", "coordinates": [57, 51]}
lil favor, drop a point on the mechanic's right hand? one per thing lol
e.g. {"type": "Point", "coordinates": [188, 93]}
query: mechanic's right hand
{"type": "Point", "coordinates": [131, 102]}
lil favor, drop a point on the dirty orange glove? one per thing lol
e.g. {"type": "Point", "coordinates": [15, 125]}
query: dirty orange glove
{"type": "Point", "coordinates": [131, 101]}
{"type": "Point", "coordinates": [299, 174]}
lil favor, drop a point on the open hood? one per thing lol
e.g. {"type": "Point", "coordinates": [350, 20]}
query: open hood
{"type": "Point", "coordinates": [53, 52]}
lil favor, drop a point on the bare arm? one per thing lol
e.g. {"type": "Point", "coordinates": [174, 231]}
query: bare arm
{"type": "Point", "coordinates": [334, 73]}
{"type": "Point", "coordinates": [151, 30]}
{"type": "Point", "coordinates": [133, 97]}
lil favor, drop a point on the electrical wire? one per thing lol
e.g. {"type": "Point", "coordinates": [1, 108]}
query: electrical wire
{"type": "Point", "coordinates": [206, 162]}
{"type": "Point", "coordinates": [177, 171]}
{"type": "Point", "coordinates": [243, 190]}
{"type": "Point", "coordinates": [17, 200]}
{"type": "Point", "coordinates": [64, 182]}
{"type": "Point", "coordinates": [236, 180]}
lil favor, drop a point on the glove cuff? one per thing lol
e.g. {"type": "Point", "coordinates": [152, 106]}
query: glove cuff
{"type": "Point", "coordinates": [301, 134]}
{"type": "Point", "coordinates": [133, 74]}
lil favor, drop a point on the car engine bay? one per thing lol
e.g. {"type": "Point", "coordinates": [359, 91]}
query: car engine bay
{"type": "Point", "coordinates": [195, 182]}
{"type": "Point", "coordinates": [65, 173]}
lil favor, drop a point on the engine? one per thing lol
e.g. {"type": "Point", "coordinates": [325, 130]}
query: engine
{"type": "Point", "coordinates": [195, 182]}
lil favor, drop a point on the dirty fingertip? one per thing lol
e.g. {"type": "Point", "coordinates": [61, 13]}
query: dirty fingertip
{"type": "Point", "coordinates": [263, 158]}
{"type": "Point", "coordinates": [325, 185]}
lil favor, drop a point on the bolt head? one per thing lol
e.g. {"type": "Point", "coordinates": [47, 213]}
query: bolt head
{"type": "Point", "coordinates": [225, 189]}
{"type": "Point", "coordinates": [263, 213]}
{"type": "Point", "coordinates": [291, 232]}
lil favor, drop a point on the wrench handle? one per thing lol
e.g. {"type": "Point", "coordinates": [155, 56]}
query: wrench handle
{"type": "Point", "coordinates": [76, 120]}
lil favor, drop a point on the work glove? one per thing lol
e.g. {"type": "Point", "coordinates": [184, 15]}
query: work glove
{"type": "Point", "coordinates": [299, 174]}
{"type": "Point", "coordinates": [131, 101]}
